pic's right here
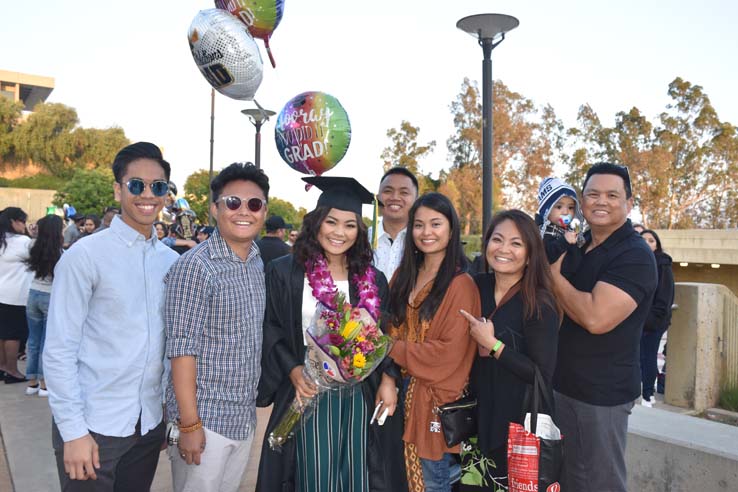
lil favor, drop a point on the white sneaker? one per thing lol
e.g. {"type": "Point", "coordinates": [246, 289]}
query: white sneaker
{"type": "Point", "coordinates": [646, 403]}
{"type": "Point", "coordinates": [43, 393]}
{"type": "Point", "coordinates": [32, 390]}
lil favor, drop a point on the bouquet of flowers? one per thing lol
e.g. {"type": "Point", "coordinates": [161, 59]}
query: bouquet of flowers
{"type": "Point", "coordinates": [344, 342]}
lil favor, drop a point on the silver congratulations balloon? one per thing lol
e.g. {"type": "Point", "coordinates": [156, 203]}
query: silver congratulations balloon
{"type": "Point", "coordinates": [226, 54]}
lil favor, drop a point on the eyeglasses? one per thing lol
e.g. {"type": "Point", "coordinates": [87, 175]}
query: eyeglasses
{"type": "Point", "coordinates": [136, 186]}
{"type": "Point", "coordinates": [232, 202]}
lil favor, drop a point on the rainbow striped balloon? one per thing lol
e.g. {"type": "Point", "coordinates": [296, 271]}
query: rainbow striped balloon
{"type": "Point", "coordinates": [260, 16]}
{"type": "Point", "coordinates": [313, 132]}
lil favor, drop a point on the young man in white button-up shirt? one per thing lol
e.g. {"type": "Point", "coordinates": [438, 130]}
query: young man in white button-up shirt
{"type": "Point", "coordinates": [104, 350]}
{"type": "Point", "coordinates": [398, 190]}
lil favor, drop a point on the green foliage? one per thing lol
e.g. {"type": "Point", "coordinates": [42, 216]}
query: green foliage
{"type": "Point", "coordinates": [35, 182]}
{"type": "Point", "coordinates": [287, 211]}
{"type": "Point", "coordinates": [10, 114]}
{"type": "Point", "coordinates": [45, 137]}
{"type": "Point", "coordinates": [50, 138]}
{"type": "Point", "coordinates": [477, 469]}
{"type": "Point", "coordinates": [196, 190]}
{"type": "Point", "coordinates": [729, 399]}
{"type": "Point", "coordinates": [89, 191]}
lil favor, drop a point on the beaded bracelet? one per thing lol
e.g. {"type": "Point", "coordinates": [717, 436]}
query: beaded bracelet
{"type": "Point", "coordinates": [190, 428]}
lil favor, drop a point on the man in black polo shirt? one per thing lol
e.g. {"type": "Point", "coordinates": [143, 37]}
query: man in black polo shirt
{"type": "Point", "coordinates": [597, 375]}
{"type": "Point", "coordinates": [272, 245]}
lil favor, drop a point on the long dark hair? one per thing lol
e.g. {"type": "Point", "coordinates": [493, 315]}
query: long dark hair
{"type": "Point", "coordinates": [6, 225]}
{"type": "Point", "coordinates": [47, 249]}
{"type": "Point", "coordinates": [536, 286]}
{"type": "Point", "coordinates": [412, 259]}
{"type": "Point", "coordinates": [656, 237]}
{"type": "Point", "coordinates": [307, 247]}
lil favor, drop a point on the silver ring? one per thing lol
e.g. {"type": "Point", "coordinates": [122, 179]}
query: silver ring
{"type": "Point", "coordinates": [484, 320]}
{"type": "Point", "coordinates": [182, 455]}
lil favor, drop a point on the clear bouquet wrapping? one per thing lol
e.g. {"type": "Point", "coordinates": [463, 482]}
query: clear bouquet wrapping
{"type": "Point", "coordinates": [344, 346]}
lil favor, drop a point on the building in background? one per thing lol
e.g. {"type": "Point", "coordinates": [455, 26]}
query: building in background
{"type": "Point", "coordinates": [703, 255]}
{"type": "Point", "coordinates": [27, 88]}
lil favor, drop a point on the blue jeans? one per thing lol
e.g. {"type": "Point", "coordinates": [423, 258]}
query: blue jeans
{"type": "Point", "coordinates": [650, 341]}
{"type": "Point", "coordinates": [37, 311]}
{"type": "Point", "coordinates": [439, 475]}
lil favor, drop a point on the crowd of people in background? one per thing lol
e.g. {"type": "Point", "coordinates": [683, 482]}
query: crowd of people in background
{"type": "Point", "coordinates": [124, 312]}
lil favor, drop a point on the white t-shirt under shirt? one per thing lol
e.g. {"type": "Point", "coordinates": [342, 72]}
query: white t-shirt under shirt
{"type": "Point", "coordinates": [15, 278]}
{"type": "Point", "coordinates": [388, 255]}
{"type": "Point", "coordinates": [309, 302]}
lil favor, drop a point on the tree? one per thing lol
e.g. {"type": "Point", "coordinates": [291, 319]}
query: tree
{"type": "Point", "coordinates": [45, 139]}
{"type": "Point", "coordinates": [10, 115]}
{"type": "Point", "coordinates": [88, 190]}
{"type": "Point", "coordinates": [196, 190]}
{"type": "Point", "coordinates": [404, 151]}
{"type": "Point", "coordinates": [287, 211]}
{"type": "Point", "coordinates": [526, 142]}
{"type": "Point", "coordinates": [702, 153]}
{"type": "Point", "coordinates": [683, 171]}
{"type": "Point", "coordinates": [50, 137]}
{"type": "Point", "coordinates": [98, 147]}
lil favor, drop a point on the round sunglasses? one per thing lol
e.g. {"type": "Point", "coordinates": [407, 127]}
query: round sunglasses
{"type": "Point", "coordinates": [136, 186]}
{"type": "Point", "coordinates": [232, 202]}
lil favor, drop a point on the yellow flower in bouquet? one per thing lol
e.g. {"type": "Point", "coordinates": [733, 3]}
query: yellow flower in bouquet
{"type": "Point", "coordinates": [350, 329]}
{"type": "Point", "coordinates": [359, 360]}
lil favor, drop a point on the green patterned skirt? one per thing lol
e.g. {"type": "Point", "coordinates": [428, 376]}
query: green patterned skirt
{"type": "Point", "coordinates": [331, 444]}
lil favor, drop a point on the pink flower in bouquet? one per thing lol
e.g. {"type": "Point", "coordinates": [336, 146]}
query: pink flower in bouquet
{"type": "Point", "coordinates": [366, 347]}
{"type": "Point", "coordinates": [331, 339]}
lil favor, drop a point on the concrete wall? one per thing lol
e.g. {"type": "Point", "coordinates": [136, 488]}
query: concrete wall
{"type": "Point", "coordinates": [668, 452]}
{"type": "Point", "coordinates": [703, 353]}
{"type": "Point", "coordinates": [726, 275]}
{"type": "Point", "coordinates": [701, 245]}
{"type": "Point", "coordinates": [33, 202]}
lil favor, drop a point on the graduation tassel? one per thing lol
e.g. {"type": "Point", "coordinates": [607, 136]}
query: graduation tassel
{"type": "Point", "coordinates": [375, 217]}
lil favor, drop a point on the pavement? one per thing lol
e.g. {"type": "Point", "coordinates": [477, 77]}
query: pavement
{"type": "Point", "coordinates": [27, 461]}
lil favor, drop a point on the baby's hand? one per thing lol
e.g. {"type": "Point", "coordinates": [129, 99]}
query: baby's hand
{"type": "Point", "coordinates": [571, 237]}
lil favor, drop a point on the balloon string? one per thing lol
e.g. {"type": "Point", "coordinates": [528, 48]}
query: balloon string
{"type": "Point", "coordinates": [269, 52]}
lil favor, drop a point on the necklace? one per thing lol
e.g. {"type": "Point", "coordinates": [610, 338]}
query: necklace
{"type": "Point", "coordinates": [325, 291]}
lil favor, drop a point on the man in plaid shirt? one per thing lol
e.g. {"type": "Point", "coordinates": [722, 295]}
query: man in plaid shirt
{"type": "Point", "coordinates": [215, 300]}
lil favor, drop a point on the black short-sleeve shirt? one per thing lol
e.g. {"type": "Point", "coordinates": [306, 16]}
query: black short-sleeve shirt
{"type": "Point", "coordinates": [605, 369]}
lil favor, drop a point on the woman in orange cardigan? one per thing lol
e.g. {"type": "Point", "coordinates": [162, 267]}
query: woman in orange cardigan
{"type": "Point", "coordinates": [433, 346]}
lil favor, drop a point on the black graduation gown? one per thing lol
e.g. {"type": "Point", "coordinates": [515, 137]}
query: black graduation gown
{"type": "Point", "coordinates": [283, 349]}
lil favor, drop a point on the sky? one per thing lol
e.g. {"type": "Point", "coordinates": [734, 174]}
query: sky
{"type": "Point", "coordinates": [128, 64]}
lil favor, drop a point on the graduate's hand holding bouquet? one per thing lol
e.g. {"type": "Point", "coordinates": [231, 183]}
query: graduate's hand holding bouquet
{"type": "Point", "coordinates": [344, 344]}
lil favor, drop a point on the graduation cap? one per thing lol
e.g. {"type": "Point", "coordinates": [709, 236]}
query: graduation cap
{"type": "Point", "coordinates": [341, 193]}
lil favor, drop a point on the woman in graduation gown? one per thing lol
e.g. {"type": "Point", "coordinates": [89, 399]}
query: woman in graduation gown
{"type": "Point", "coordinates": [336, 449]}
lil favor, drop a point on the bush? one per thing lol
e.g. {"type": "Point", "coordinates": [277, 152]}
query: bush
{"type": "Point", "coordinates": [89, 191]}
{"type": "Point", "coordinates": [729, 399]}
{"type": "Point", "coordinates": [35, 182]}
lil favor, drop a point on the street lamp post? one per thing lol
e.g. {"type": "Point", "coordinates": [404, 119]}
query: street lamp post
{"type": "Point", "coordinates": [489, 30]}
{"type": "Point", "coordinates": [258, 116]}
{"type": "Point", "coordinates": [212, 146]}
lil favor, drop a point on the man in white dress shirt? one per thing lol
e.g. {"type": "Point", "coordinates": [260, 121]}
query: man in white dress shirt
{"type": "Point", "coordinates": [398, 190]}
{"type": "Point", "coordinates": [104, 350]}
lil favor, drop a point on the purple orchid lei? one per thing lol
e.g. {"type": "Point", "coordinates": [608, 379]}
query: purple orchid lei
{"type": "Point", "coordinates": [325, 291]}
